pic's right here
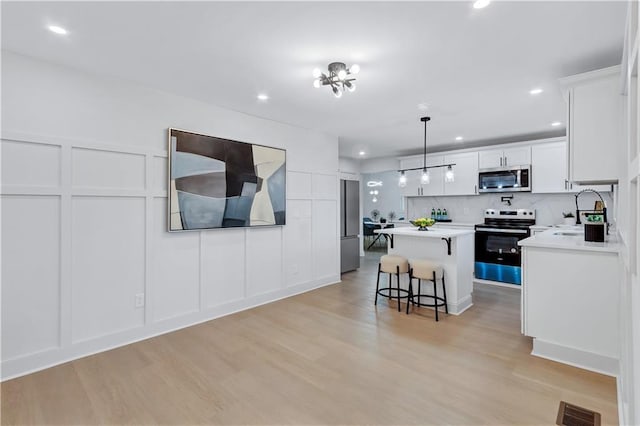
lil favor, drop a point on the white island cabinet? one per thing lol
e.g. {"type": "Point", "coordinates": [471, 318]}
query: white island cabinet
{"type": "Point", "coordinates": [571, 299]}
{"type": "Point", "coordinates": [451, 248]}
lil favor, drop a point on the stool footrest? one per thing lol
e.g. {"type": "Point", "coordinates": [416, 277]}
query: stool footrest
{"type": "Point", "coordinates": [391, 289]}
{"type": "Point", "coordinates": [431, 305]}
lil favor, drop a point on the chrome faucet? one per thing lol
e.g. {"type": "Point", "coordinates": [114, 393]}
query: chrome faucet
{"type": "Point", "coordinates": [604, 207]}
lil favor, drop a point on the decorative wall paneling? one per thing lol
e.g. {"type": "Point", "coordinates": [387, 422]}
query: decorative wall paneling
{"type": "Point", "coordinates": [87, 223]}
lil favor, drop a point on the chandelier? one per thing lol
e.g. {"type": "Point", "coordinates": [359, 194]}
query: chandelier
{"type": "Point", "coordinates": [425, 178]}
{"type": "Point", "coordinates": [338, 77]}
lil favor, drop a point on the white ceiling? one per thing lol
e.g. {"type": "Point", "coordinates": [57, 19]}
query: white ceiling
{"type": "Point", "coordinates": [473, 69]}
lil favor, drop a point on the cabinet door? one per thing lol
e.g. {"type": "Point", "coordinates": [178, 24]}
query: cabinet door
{"type": "Point", "coordinates": [490, 158]}
{"type": "Point", "coordinates": [436, 183]}
{"type": "Point", "coordinates": [465, 174]}
{"type": "Point", "coordinates": [412, 189]}
{"type": "Point", "coordinates": [517, 156]}
{"type": "Point", "coordinates": [595, 130]}
{"type": "Point", "coordinates": [549, 168]}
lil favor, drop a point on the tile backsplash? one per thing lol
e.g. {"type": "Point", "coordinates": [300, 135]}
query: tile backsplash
{"type": "Point", "coordinates": [470, 209]}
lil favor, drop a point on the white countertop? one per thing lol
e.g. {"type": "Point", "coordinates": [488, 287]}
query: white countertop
{"type": "Point", "coordinates": [552, 239]}
{"type": "Point", "coordinates": [431, 233]}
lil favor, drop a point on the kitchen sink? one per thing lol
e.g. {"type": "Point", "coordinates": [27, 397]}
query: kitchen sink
{"type": "Point", "coordinates": [569, 233]}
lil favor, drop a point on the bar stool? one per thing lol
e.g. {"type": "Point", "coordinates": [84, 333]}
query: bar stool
{"type": "Point", "coordinates": [427, 270]}
{"type": "Point", "coordinates": [397, 265]}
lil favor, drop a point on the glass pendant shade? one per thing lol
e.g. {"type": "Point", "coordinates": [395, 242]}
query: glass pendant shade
{"type": "Point", "coordinates": [449, 176]}
{"type": "Point", "coordinates": [402, 182]}
{"type": "Point", "coordinates": [425, 178]}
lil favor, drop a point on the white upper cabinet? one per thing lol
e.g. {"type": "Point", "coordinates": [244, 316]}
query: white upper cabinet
{"type": "Point", "coordinates": [491, 158]}
{"type": "Point", "coordinates": [517, 156]}
{"type": "Point", "coordinates": [595, 111]}
{"type": "Point", "coordinates": [413, 188]}
{"type": "Point", "coordinates": [549, 168]}
{"type": "Point", "coordinates": [436, 176]}
{"type": "Point", "coordinates": [513, 156]}
{"type": "Point", "coordinates": [465, 174]}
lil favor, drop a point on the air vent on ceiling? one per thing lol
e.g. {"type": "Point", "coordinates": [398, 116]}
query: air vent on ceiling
{"type": "Point", "coordinates": [572, 415]}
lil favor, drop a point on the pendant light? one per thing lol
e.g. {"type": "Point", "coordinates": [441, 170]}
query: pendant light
{"type": "Point", "coordinates": [425, 178]}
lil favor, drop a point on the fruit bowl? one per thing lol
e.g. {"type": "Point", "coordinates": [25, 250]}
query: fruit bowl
{"type": "Point", "coordinates": [422, 223]}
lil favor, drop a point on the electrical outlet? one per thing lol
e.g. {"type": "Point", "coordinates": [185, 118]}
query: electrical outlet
{"type": "Point", "coordinates": [139, 303]}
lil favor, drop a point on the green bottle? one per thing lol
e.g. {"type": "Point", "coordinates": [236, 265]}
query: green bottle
{"type": "Point", "coordinates": [433, 214]}
{"type": "Point", "coordinates": [439, 214]}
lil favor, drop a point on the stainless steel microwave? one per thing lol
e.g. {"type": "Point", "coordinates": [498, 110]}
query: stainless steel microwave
{"type": "Point", "coordinates": [505, 179]}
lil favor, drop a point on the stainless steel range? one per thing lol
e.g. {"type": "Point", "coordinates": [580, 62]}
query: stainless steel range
{"type": "Point", "coordinates": [497, 252]}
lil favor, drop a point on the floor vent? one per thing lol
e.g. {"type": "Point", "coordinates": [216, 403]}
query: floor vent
{"type": "Point", "coordinates": [572, 415]}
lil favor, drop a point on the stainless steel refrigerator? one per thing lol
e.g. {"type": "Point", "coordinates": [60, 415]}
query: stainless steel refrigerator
{"type": "Point", "coordinates": [349, 225]}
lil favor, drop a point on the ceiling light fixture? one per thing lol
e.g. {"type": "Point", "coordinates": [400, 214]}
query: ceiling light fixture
{"type": "Point", "coordinates": [459, 138]}
{"type": "Point", "coordinates": [535, 91]}
{"type": "Point", "coordinates": [425, 178]}
{"type": "Point", "coordinates": [58, 30]}
{"type": "Point", "coordinates": [263, 97]}
{"type": "Point", "coordinates": [481, 4]}
{"type": "Point", "coordinates": [556, 123]}
{"type": "Point", "coordinates": [338, 78]}
{"type": "Point", "coordinates": [362, 153]}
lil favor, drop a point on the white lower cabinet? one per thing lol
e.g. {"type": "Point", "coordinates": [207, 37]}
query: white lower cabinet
{"type": "Point", "coordinates": [570, 302]}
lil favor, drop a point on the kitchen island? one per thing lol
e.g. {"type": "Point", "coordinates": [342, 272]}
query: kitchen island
{"type": "Point", "coordinates": [451, 248]}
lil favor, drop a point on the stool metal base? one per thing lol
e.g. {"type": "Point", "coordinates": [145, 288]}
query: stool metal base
{"type": "Point", "coordinates": [406, 294]}
{"type": "Point", "coordinates": [433, 296]}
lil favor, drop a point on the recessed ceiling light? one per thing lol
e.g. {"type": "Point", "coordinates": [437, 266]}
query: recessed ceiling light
{"type": "Point", "coordinates": [263, 97]}
{"type": "Point", "coordinates": [58, 30]}
{"type": "Point", "coordinates": [535, 91]}
{"type": "Point", "coordinates": [361, 153]}
{"type": "Point", "coordinates": [459, 138]}
{"type": "Point", "coordinates": [480, 4]}
{"type": "Point", "coordinates": [556, 123]}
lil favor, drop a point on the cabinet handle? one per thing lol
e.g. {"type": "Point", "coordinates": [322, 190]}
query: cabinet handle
{"type": "Point", "coordinates": [566, 184]}
{"type": "Point", "coordinates": [475, 188]}
{"type": "Point", "coordinates": [505, 161]}
{"type": "Point", "coordinates": [501, 161]}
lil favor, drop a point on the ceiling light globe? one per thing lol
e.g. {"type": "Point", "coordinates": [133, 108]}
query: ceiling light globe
{"type": "Point", "coordinates": [316, 72]}
{"type": "Point", "coordinates": [337, 92]}
{"type": "Point", "coordinates": [352, 87]}
{"type": "Point", "coordinates": [342, 74]}
{"type": "Point", "coordinates": [355, 69]}
{"type": "Point", "coordinates": [316, 83]}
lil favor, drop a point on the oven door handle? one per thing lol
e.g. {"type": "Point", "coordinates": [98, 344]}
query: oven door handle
{"type": "Point", "coordinates": [503, 231]}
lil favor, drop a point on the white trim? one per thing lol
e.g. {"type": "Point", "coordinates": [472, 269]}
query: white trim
{"type": "Point", "coordinates": [31, 363]}
{"type": "Point", "coordinates": [496, 283]}
{"type": "Point", "coordinates": [586, 77]}
{"type": "Point", "coordinates": [576, 357]}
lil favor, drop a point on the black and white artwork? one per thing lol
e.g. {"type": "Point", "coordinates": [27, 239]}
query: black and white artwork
{"type": "Point", "coordinates": [221, 183]}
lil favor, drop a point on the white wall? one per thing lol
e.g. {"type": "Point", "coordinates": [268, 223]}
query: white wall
{"type": "Point", "coordinates": [374, 165]}
{"type": "Point", "coordinates": [84, 217]}
{"type": "Point", "coordinates": [389, 197]}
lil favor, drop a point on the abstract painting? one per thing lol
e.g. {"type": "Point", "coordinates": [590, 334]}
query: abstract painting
{"type": "Point", "coordinates": [221, 183]}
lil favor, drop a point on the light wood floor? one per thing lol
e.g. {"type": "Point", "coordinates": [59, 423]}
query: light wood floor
{"type": "Point", "coordinates": [325, 357]}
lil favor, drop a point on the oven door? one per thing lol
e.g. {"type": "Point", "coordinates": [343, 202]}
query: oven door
{"type": "Point", "coordinates": [498, 255]}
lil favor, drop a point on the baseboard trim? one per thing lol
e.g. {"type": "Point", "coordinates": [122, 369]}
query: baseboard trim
{"type": "Point", "coordinates": [462, 305]}
{"type": "Point", "coordinates": [578, 358]}
{"type": "Point", "coordinates": [38, 361]}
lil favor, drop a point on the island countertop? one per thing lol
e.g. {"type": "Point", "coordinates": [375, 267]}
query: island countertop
{"type": "Point", "coordinates": [431, 233]}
